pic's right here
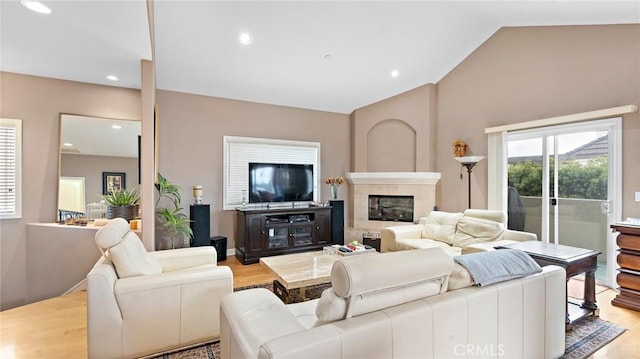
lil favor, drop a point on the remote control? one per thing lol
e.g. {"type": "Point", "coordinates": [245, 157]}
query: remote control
{"type": "Point", "coordinates": [366, 246]}
{"type": "Point", "coordinates": [344, 250]}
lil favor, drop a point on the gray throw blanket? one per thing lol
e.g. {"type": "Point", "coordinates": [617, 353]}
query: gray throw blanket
{"type": "Point", "coordinates": [496, 266]}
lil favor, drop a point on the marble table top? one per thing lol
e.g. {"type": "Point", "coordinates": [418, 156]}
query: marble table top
{"type": "Point", "coordinates": [302, 269]}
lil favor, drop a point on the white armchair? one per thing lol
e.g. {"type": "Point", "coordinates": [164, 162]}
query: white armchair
{"type": "Point", "coordinates": [141, 303]}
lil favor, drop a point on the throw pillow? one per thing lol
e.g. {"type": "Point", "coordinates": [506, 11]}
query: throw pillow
{"type": "Point", "coordinates": [441, 226]}
{"type": "Point", "coordinates": [472, 230]}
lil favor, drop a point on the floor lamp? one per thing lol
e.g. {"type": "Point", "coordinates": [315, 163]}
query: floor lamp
{"type": "Point", "coordinates": [469, 162]}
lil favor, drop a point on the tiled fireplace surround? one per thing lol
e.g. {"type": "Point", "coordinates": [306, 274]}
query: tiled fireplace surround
{"type": "Point", "coordinates": [420, 185]}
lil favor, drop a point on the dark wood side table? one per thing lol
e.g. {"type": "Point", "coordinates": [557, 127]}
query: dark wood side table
{"type": "Point", "coordinates": [628, 259]}
{"type": "Point", "coordinates": [575, 261]}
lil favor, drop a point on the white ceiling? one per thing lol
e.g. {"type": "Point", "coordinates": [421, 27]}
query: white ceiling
{"type": "Point", "coordinates": [197, 50]}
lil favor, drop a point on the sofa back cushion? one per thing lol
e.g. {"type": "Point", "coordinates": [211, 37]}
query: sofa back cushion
{"type": "Point", "coordinates": [488, 214]}
{"type": "Point", "coordinates": [471, 230]}
{"type": "Point", "coordinates": [367, 283]}
{"type": "Point", "coordinates": [440, 226]}
{"type": "Point", "coordinates": [125, 250]}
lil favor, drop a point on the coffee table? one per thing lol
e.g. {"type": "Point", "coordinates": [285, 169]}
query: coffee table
{"type": "Point", "coordinates": [296, 272]}
{"type": "Point", "coordinates": [575, 261]}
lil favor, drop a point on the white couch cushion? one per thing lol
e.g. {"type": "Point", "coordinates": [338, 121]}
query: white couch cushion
{"type": "Point", "coordinates": [441, 226]}
{"type": "Point", "coordinates": [459, 278]}
{"type": "Point", "coordinates": [424, 243]}
{"type": "Point", "coordinates": [472, 230]}
{"type": "Point", "coordinates": [488, 214]}
{"type": "Point", "coordinates": [125, 250]}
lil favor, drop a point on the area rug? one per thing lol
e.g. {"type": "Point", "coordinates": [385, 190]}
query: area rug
{"type": "Point", "coordinates": [588, 335]}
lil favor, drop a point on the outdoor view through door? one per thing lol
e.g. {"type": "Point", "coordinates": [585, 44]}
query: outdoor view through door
{"type": "Point", "coordinates": [559, 187]}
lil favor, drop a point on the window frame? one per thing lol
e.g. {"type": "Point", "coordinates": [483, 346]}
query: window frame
{"type": "Point", "coordinates": [17, 124]}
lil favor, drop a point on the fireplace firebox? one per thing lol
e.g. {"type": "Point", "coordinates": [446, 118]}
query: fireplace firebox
{"type": "Point", "coordinates": [390, 208]}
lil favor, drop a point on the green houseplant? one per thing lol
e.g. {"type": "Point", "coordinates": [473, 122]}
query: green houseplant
{"type": "Point", "coordinates": [171, 219]}
{"type": "Point", "coordinates": [122, 203]}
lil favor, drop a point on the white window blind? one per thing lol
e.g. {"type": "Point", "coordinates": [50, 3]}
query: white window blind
{"type": "Point", "coordinates": [10, 168]}
{"type": "Point", "coordinates": [240, 151]}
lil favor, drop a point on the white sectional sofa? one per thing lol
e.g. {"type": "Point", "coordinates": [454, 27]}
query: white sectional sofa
{"type": "Point", "coordinates": [397, 305]}
{"type": "Point", "coordinates": [458, 233]}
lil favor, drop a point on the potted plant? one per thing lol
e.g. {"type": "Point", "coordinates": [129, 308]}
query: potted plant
{"type": "Point", "coordinates": [122, 203]}
{"type": "Point", "coordinates": [170, 218]}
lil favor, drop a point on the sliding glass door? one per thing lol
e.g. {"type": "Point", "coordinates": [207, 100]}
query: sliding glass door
{"type": "Point", "coordinates": [563, 182]}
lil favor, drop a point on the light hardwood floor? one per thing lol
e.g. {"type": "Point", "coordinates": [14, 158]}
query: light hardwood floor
{"type": "Point", "coordinates": [56, 328]}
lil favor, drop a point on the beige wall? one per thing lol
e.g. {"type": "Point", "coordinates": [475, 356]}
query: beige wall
{"type": "Point", "coordinates": [191, 133]}
{"type": "Point", "coordinates": [523, 74]}
{"type": "Point", "coordinates": [38, 102]}
{"type": "Point", "coordinates": [414, 108]}
{"type": "Point", "coordinates": [91, 168]}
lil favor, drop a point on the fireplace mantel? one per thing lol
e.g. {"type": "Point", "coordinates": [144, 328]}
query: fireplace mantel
{"type": "Point", "coordinates": [393, 178]}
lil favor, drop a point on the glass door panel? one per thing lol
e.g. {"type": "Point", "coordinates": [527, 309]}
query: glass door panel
{"type": "Point", "coordinates": [525, 185]}
{"type": "Point", "coordinates": [278, 236]}
{"type": "Point", "coordinates": [561, 177]}
{"type": "Point", "coordinates": [582, 180]}
{"type": "Point", "coordinates": [302, 234]}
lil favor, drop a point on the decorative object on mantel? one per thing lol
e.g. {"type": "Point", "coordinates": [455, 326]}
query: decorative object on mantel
{"type": "Point", "coordinates": [469, 162]}
{"type": "Point", "coordinates": [334, 183]}
{"type": "Point", "coordinates": [171, 219]}
{"type": "Point", "coordinates": [459, 148]}
{"type": "Point", "coordinates": [122, 203]}
{"type": "Point", "coordinates": [197, 194]}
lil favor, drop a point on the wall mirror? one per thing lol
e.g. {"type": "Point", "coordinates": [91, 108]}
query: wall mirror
{"type": "Point", "coordinates": [94, 151]}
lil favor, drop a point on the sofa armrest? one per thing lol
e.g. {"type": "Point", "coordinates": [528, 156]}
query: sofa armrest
{"type": "Point", "coordinates": [519, 236]}
{"type": "Point", "coordinates": [391, 234]}
{"type": "Point", "coordinates": [182, 258]}
{"type": "Point", "coordinates": [104, 321]}
{"type": "Point", "coordinates": [249, 318]}
{"type": "Point", "coordinates": [175, 309]}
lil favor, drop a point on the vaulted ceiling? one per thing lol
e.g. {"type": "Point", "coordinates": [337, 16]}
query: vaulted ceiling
{"type": "Point", "coordinates": [333, 56]}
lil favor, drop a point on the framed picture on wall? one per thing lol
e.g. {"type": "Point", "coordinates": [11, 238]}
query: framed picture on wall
{"type": "Point", "coordinates": [113, 181]}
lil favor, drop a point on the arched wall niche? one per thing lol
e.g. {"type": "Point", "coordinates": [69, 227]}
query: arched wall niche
{"type": "Point", "coordinates": [385, 153]}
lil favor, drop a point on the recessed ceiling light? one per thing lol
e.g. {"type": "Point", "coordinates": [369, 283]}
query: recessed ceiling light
{"type": "Point", "coordinates": [116, 127]}
{"type": "Point", "coordinates": [245, 38]}
{"type": "Point", "coordinates": [327, 57]}
{"type": "Point", "coordinates": [112, 78]}
{"type": "Point", "coordinates": [67, 144]}
{"type": "Point", "coordinates": [36, 6]}
{"type": "Point", "coordinates": [395, 73]}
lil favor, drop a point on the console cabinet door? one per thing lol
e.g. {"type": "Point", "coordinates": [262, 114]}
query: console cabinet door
{"type": "Point", "coordinates": [277, 236]}
{"type": "Point", "coordinates": [302, 234]}
{"type": "Point", "coordinates": [322, 228]}
{"type": "Point", "coordinates": [256, 238]}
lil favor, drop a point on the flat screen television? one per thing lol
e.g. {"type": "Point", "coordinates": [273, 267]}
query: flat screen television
{"type": "Point", "coordinates": [279, 182]}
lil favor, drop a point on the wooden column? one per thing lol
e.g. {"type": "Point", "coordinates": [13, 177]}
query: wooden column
{"type": "Point", "coordinates": [628, 259]}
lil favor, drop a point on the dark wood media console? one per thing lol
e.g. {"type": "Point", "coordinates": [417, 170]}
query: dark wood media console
{"type": "Point", "coordinates": [269, 232]}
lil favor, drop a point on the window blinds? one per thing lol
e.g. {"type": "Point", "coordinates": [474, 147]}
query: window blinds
{"type": "Point", "coordinates": [10, 168]}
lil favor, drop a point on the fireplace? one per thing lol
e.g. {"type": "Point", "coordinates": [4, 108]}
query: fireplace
{"type": "Point", "coordinates": [421, 186]}
{"type": "Point", "coordinates": [390, 208]}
